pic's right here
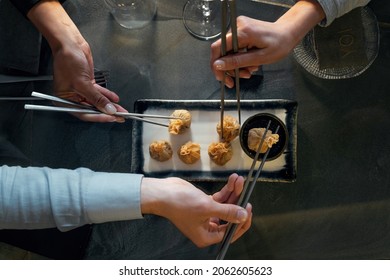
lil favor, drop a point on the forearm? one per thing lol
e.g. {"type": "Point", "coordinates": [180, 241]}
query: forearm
{"type": "Point", "coordinates": [167, 196]}
{"type": "Point", "coordinates": [33, 198]}
{"type": "Point", "coordinates": [300, 19]}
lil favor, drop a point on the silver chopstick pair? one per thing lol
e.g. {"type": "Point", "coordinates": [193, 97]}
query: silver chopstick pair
{"type": "Point", "coordinates": [246, 193]}
{"type": "Point", "coordinates": [233, 22]}
{"type": "Point", "coordinates": [88, 109]}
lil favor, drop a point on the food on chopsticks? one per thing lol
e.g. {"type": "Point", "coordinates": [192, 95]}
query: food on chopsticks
{"type": "Point", "coordinates": [189, 153]}
{"type": "Point", "coordinates": [231, 128]}
{"type": "Point", "coordinates": [160, 150]}
{"type": "Point", "coordinates": [256, 134]}
{"type": "Point", "coordinates": [178, 126]}
{"type": "Point", "coordinates": [220, 152]}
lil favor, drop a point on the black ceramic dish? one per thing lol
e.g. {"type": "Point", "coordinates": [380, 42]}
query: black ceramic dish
{"type": "Point", "coordinates": [262, 120]}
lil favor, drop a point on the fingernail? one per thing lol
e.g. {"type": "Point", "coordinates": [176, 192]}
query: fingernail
{"type": "Point", "coordinates": [219, 64]}
{"type": "Point", "coordinates": [242, 215]}
{"type": "Point", "coordinates": [110, 109]}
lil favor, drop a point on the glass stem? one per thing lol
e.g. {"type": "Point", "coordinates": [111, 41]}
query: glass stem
{"type": "Point", "coordinates": [206, 9]}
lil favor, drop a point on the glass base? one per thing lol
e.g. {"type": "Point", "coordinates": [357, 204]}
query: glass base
{"type": "Point", "coordinates": [203, 19]}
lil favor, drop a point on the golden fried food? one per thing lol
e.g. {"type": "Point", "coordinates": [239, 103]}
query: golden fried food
{"type": "Point", "coordinates": [189, 153]}
{"type": "Point", "coordinates": [220, 152]}
{"type": "Point", "coordinates": [256, 134]}
{"type": "Point", "coordinates": [231, 128]}
{"type": "Point", "coordinates": [160, 150]}
{"type": "Point", "coordinates": [178, 126]}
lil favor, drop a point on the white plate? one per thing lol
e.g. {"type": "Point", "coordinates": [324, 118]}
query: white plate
{"type": "Point", "coordinates": [205, 116]}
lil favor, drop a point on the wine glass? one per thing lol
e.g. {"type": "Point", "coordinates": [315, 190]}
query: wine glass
{"type": "Point", "coordinates": [203, 18]}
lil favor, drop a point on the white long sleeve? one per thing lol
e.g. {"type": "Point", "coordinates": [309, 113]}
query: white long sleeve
{"type": "Point", "coordinates": [34, 198]}
{"type": "Point", "coordinates": [336, 8]}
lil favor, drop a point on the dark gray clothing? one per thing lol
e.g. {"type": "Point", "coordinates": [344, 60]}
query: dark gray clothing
{"type": "Point", "coordinates": [20, 41]}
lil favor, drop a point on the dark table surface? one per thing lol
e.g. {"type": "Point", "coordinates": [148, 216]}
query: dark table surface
{"type": "Point", "coordinates": [336, 209]}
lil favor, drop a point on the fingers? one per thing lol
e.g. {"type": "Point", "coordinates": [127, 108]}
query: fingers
{"type": "Point", "coordinates": [254, 51]}
{"type": "Point", "coordinates": [220, 230]}
{"type": "Point", "coordinates": [238, 60]}
{"type": "Point", "coordinates": [238, 186]}
{"type": "Point", "coordinates": [243, 227]}
{"type": "Point", "coordinates": [231, 191]}
{"type": "Point", "coordinates": [223, 67]}
{"type": "Point", "coordinates": [229, 213]}
{"type": "Point", "coordinates": [99, 97]}
{"type": "Point", "coordinates": [231, 181]}
{"type": "Point", "coordinates": [112, 96]}
{"type": "Point", "coordinates": [102, 118]}
{"type": "Point", "coordinates": [244, 73]}
{"type": "Point", "coordinates": [103, 99]}
{"type": "Point", "coordinates": [215, 55]}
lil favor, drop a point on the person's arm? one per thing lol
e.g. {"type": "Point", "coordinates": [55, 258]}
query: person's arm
{"type": "Point", "coordinates": [72, 61]}
{"type": "Point", "coordinates": [35, 198]}
{"type": "Point", "coordinates": [269, 42]}
{"type": "Point", "coordinates": [197, 215]}
{"type": "Point", "coordinates": [265, 42]}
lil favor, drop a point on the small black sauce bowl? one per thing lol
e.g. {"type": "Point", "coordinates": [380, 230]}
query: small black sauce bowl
{"type": "Point", "coordinates": [261, 120]}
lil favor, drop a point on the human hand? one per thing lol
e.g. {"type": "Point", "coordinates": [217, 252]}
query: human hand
{"type": "Point", "coordinates": [230, 194]}
{"type": "Point", "coordinates": [196, 214]}
{"type": "Point", "coordinates": [72, 62]}
{"type": "Point", "coordinates": [265, 42]}
{"type": "Point", "coordinates": [74, 79]}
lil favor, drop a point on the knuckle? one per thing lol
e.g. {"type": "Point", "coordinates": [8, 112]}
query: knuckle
{"type": "Point", "coordinates": [235, 61]}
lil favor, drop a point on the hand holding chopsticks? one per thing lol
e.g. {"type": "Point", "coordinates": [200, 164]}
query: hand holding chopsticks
{"type": "Point", "coordinates": [73, 107]}
{"type": "Point", "coordinates": [246, 193]}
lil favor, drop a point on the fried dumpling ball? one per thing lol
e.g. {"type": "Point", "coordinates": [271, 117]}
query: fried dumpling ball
{"type": "Point", "coordinates": [189, 153]}
{"type": "Point", "coordinates": [178, 126]}
{"type": "Point", "coordinates": [231, 128]}
{"type": "Point", "coordinates": [160, 150]}
{"type": "Point", "coordinates": [220, 152]}
{"type": "Point", "coordinates": [256, 134]}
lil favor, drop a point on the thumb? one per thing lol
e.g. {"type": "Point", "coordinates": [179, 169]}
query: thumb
{"type": "Point", "coordinates": [238, 60]}
{"type": "Point", "coordinates": [228, 62]}
{"type": "Point", "coordinates": [230, 213]}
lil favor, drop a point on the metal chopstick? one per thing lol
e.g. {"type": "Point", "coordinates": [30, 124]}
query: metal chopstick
{"type": "Point", "coordinates": [246, 193]}
{"type": "Point", "coordinates": [223, 53]}
{"type": "Point", "coordinates": [145, 120]}
{"type": "Point", "coordinates": [19, 98]}
{"type": "Point", "coordinates": [90, 107]}
{"type": "Point", "coordinates": [125, 115]}
{"type": "Point", "coordinates": [233, 20]}
{"type": "Point", "coordinates": [61, 100]}
{"type": "Point", "coordinates": [59, 109]}
{"type": "Point", "coordinates": [231, 228]}
{"type": "Point", "coordinates": [85, 111]}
